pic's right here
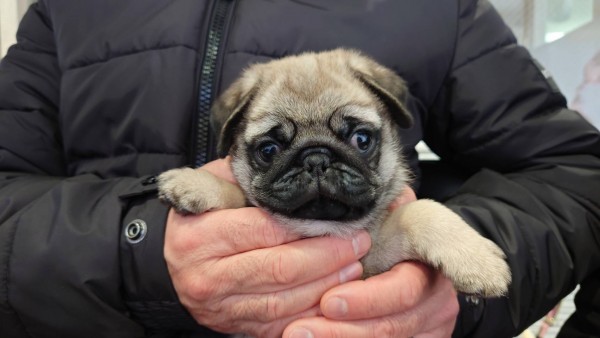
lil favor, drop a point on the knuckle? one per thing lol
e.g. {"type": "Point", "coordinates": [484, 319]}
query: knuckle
{"type": "Point", "coordinates": [233, 232]}
{"type": "Point", "coordinates": [409, 296]}
{"type": "Point", "coordinates": [185, 243]}
{"type": "Point", "coordinates": [271, 330]}
{"type": "Point", "coordinates": [386, 327]}
{"type": "Point", "coordinates": [270, 234]}
{"type": "Point", "coordinates": [251, 227]}
{"type": "Point", "coordinates": [182, 237]}
{"type": "Point", "coordinates": [215, 315]}
{"type": "Point", "coordinates": [245, 309]}
{"type": "Point", "coordinates": [199, 289]}
{"type": "Point", "coordinates": [341, 253]}
{"type": "Point", "coordinates": [280, 269]}
{"type": "Point", "coordinates": [273, 308]}
{"type": "Point", "coordinates": [262, 312]}
{"type": "Point", "coordinates": [338, 252]}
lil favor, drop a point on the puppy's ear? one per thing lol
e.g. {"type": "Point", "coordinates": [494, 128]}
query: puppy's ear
{"type": "Point", "coordinates": [386, 84]}
{"type": "Point", "coordinates": [227, 112]}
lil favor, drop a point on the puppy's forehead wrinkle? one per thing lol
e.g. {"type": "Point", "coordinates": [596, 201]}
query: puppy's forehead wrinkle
{"type": "Point", "coordinates": [355, 113]}
{"type": "Point", "coordinates": [308, 79]}
{"type": "Point", "coordinates": [339, 104]}
{"type": "Point", "coordinates": [291, 123]}
{"type": "Point", "coordinates": [265, 123]}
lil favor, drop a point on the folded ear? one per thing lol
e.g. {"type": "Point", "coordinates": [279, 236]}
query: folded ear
{"type": "Point", "coordinates": [228, 110]}
{"type": "Point", "coordinates": [386, 84]}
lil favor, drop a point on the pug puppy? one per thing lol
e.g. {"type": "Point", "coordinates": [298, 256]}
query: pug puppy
{"type": "Point", "coordinates": [314, 140]}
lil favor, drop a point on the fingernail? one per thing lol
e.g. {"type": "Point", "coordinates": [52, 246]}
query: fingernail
{"type": "Point", "coordinates": [335, 307]}
{"type": "Point", "coordinates": [300, 332]}
{"type": "Point", "coordinates": [361, 243]}
{"type": "Point", "coordinates": [351, 272]}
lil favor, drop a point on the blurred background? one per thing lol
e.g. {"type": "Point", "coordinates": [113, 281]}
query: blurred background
{"type": "Point", "coordinates": [564, 35]}
{"type": "Point", "coordinates": [11, 12]}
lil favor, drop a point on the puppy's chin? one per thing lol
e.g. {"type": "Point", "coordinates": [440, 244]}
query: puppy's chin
{"type": "Point", "coordinates": [326, 209]}
{"type": "Point", "coordinates": [315, 228]}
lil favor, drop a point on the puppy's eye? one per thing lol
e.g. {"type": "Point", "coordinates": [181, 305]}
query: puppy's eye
{"type": "Point", "coordinates": [361, 140]}
{"type": "Point", "coordinates": [266, 151]}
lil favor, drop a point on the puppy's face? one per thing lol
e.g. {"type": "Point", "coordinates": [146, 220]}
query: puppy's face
{"type": "Point", "coordinates": [313, 139]}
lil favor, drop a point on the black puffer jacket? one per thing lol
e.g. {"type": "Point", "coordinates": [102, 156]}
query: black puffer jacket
{"type": "Point", "coordinates": [98, 96]}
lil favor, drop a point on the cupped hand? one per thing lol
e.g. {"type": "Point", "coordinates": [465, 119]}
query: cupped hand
{"type": "Point", "coordinates": [239, 271]}
{"type": "Point", "coordinates": [410, 300]}
{"type": "Point", "coordinates": [221, 168]}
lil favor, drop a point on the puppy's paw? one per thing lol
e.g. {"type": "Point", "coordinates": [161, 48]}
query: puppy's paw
{"type": "Point", "coordinates": [436, 235]}
{"type": "Point", "coordinates": [184, 189]}
{"type": "Point", "coordinates": [194, 191]}
{"type": "Point", "coordinates": [477, 266]}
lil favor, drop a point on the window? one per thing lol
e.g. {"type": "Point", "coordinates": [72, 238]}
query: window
{"type": "Point", "coordinates": [564, 35]}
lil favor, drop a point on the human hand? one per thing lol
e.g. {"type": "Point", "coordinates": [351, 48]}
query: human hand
{"type": "Point", "coordinates": [221, 168]}
{"type": "Point", "coordinates": [410, 300]}
{"type": "Point", "coordinates": [238, 271]}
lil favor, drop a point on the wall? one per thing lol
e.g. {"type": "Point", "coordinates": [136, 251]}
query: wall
{"type": "Point", "coordinates": [10, 13]}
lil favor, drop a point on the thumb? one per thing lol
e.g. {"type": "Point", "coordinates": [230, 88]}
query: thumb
{"type": "Point", "coordinates": [221, 168]}
{"type": "Point", "coordinates": [408, 195]}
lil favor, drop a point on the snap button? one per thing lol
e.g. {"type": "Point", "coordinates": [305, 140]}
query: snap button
{"type": "Point", "coordinates": [150, 180]}
{"type": "Point", "coordinates": [135, 231]}
{"type": "Point", "coordinates": [472, 299]}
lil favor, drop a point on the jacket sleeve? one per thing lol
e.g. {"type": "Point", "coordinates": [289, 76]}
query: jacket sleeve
{"type": "Point", "coordinates": [535, 187]}
{"type": "Point", "coordinates": [66, 269]}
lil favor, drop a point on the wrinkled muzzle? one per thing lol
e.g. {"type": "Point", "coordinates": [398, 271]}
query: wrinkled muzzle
{"type": "Point", "coordinates": [318, 183]}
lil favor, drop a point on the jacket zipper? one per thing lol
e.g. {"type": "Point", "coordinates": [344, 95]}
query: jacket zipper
{"type": "Point", "coordinates": [203, 135]}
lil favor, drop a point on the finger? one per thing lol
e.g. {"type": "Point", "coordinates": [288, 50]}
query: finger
{"type": "Point", "coordinates": [393, 326]}
{"type": "Point", "coordinates": [290, 264]}
{"type": "Point", "coordinates": [441, 310]}
{"type": "Point", "coordinates": [443, 331]}
{"type": "Point", "coordinates": [408, 195]}
{"type": "Point", "coordinates": [407, 324]}
{"type": "Point", "coordinates": [275, 328]}
{"type": "Point", "coordinates": [434, 318]}
{"type": "Point", "coordinates": [225, 232]}
{"type": "Point", "coordinates": [221, 168]}
{"type": "Point", "coordinates": [271, 307]}
{"type": "Point", "coordinates": [405, 285]}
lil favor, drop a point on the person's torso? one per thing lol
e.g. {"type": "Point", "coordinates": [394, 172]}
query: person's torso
{"type": "Point", "coordinates": [137, 77]}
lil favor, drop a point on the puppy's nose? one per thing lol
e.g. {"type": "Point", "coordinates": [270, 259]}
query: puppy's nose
{"type": "Point", "coordinates": [316, 159]}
